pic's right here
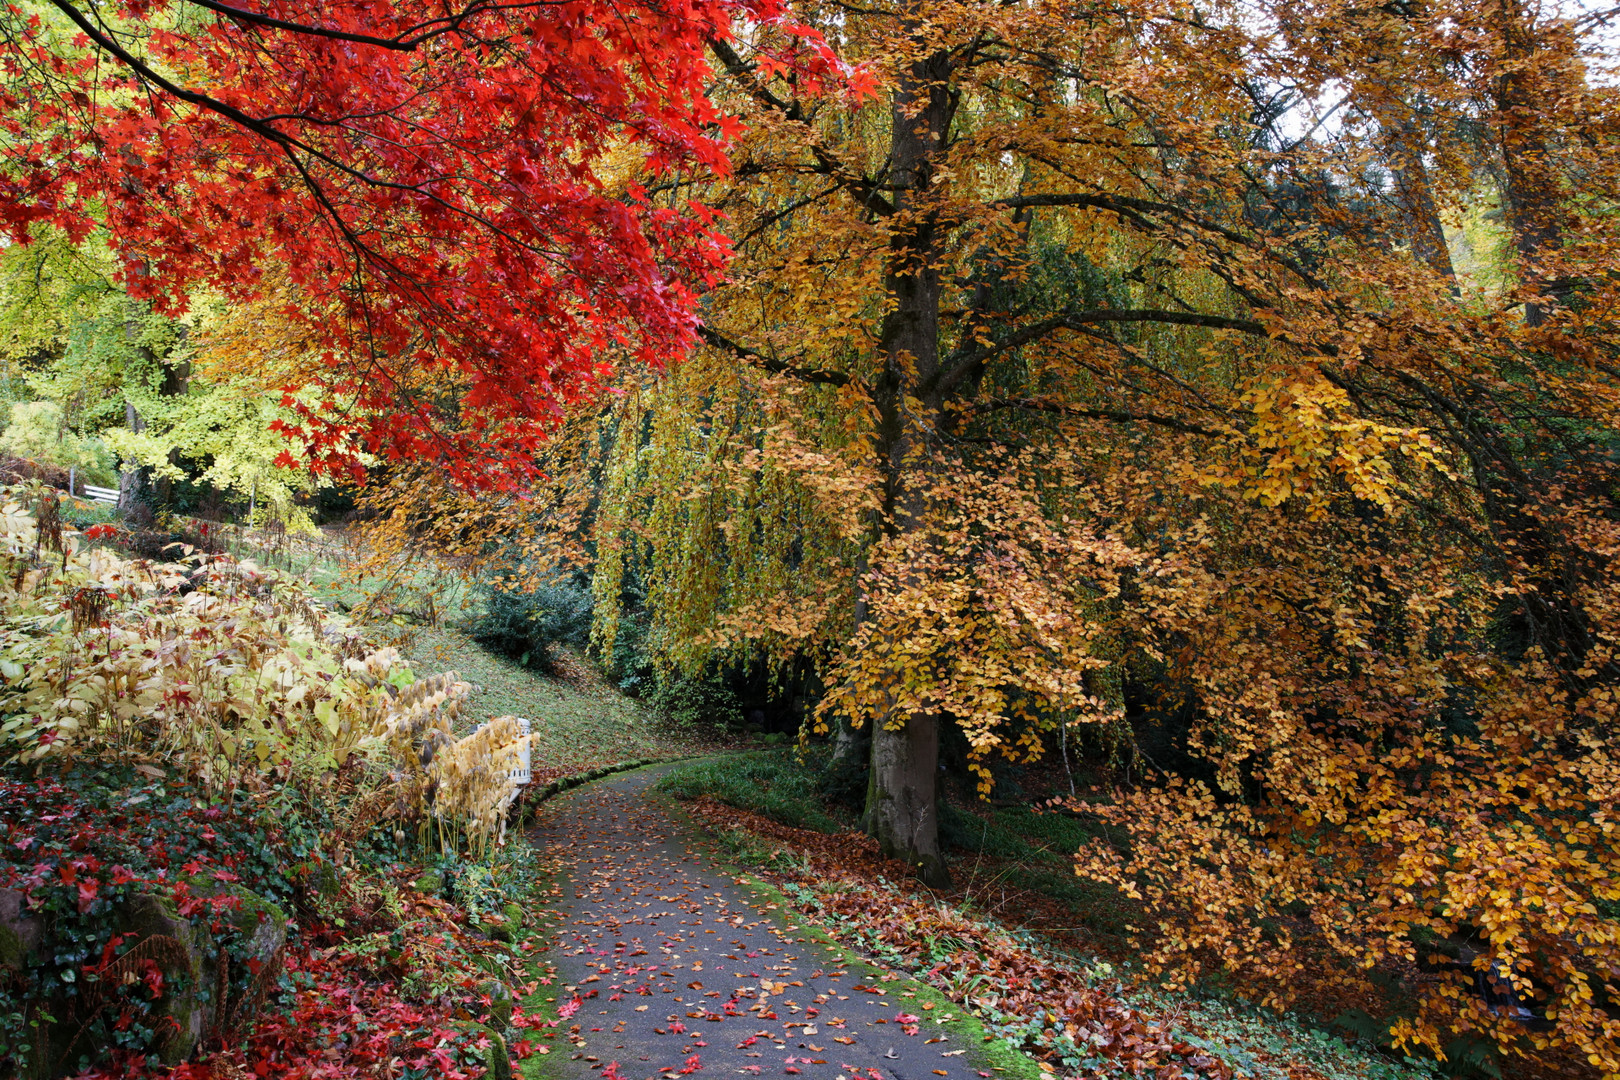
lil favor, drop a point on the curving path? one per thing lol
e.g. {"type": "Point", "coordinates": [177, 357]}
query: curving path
{"type": "Point", "coordinates": [675, 972]}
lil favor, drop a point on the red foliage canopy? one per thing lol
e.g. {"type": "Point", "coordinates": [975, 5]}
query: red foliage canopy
{"type": "Point", "coordinates": [429, 173]}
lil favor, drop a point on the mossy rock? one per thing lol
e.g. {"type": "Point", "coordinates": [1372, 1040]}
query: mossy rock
{"type": "Point", "coordinates": [258, 922]}
{"type": "Point", "coordinates": [328, 881]}
{"type": "Point", "coordinates": [151, 916]}
{"type": "Point", "coordinates": [501, 928]}
{"type": "Point", "coordinates": [499, 1058]}
{"type": "Point", "coordinates": [429, 884]}
{"type": "Point", "coordinates": [500, 1004]}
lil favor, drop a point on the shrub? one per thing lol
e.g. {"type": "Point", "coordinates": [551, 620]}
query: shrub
{"type": "Point", "coordinates": [775, 785]}
{"type": "Point", "coordinates": [530, 623]}
{"type": "Point", "coordinates": [844, 781]}
{"type": "Point", "coordinates": [36, 431]}
{"type": "Point", "coordinates": [697, 701]}
{"type": "Point", "coordinates": [230, 673]}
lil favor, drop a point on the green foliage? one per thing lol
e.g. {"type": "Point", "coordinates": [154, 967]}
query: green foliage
{"type": "Point", "coordinates": [71, 337]}
{"type": "Point", "coordinates": [530, 622]}
{"type": "Point", "coordinates": [696, 701]}
{"type": "Point", "coordinates": [82, 515]}
{"type": "Point", "coordinates": [628, 662]}
{"type": "Point", "coordinates": [774, 784]}
{"type": "Point", "coordinates": [38, 431]}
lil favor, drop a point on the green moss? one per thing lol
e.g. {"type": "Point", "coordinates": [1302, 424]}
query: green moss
{"type": "Point", "coordinates": [12, 952]}
{"type": "Point", "coordinates": [500, 1004]}
{"type": "Point", "coordinates": [499, 1057]}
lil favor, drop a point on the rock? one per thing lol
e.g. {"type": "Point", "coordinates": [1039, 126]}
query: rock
{"type": "Point", "coordinates": [328, 882]}
{"type": "Point", "coordinates": [20, 934]}
{"type": "Point", "coordinates": [500, 1005]}
{"type": "Point", "coordinates": [194, 1004]}
{"type": "Point", "coordinates": [148, 915]}
{"type": "Point", "coordinates": [262, 923]}
{"type": "Point", "coordinates": [506, 925]}
{"type": "Point", "coordinates": [429, 884]}
{"type": "Point", "coordinates": [500, 928]}
{"type": "Point", "coordinates": [184, 950]}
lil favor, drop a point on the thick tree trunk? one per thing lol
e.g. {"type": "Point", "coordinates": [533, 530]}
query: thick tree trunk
{"type": "Point", "coordinates": [900, 804]}
{"type": "Point", "coordinates": [129, 480]}
{"type": "Point", "coordinates": [901, 801]}
{"type": "Point", "coordinates": [1532, 180]}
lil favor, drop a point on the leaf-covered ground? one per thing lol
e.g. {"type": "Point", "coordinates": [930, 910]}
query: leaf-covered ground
{"type": "Point", "coordinates": [1075, 1015]}
{"type": "Point", "coordinates": [667, 966]}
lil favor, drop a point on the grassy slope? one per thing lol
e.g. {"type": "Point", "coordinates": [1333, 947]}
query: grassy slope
{"type": "Point", "coordinates": [578, 724]}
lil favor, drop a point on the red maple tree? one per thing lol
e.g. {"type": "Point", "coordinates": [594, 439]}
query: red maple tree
{"type": "Point", "coordinates": [431, 175]}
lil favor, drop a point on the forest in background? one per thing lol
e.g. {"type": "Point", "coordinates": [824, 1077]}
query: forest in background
{"type": "Point", "coordinates": [1221, 400]}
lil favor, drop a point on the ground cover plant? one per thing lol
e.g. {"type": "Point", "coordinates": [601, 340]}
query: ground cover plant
{"type": "Point", "coordinates": [211, 784]}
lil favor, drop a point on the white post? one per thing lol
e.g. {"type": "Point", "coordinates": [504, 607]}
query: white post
{"type": "Point", "coordinates": [72, 469]}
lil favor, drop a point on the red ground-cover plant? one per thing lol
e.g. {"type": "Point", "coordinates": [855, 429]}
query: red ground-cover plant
{"type": "Point", "coordinates": [79, 844]}
{"type": "Point", "coordinates": [335, 1018]}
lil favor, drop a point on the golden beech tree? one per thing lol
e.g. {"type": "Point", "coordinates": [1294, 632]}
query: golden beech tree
{"type": "Point", "coordinates": [1253, 365]}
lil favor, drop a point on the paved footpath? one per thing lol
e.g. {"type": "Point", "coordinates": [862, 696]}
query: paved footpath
{"type": "Point", "coordinates": [676, 972]}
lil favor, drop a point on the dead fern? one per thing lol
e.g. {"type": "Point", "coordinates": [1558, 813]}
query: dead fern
{"type": "Point", "coordinates": [161, 949]}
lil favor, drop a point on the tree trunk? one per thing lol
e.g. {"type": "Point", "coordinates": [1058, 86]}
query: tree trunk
{"type": "Point", "coordinates": [1416, 195]}
{"type": "Point", "coordinates": [1532, 181]}
{"type": "Point", "coordinates": [176, 383]}
{"type": "Point", "coordinates": [852, 745]}
{"type": "Point", "coordinates": [900, 804]}
{"type": "Point", "coordinates": [901, 797]}
{"type": "Point", "coordinates": [129, 480]}
{"type": "Point", "coordinates": [849, 743]}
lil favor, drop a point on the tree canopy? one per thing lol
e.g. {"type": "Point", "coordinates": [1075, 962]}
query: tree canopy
{"type": "Point", "coordinates": [429, 177]}
{"type": "Point", "coordinates": [1026, 372]}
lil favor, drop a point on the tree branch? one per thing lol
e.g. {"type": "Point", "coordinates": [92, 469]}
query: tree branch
{"type": "Point", "coordinates": [407, 40]}
{"type": "Point", "coordinates": [1118, 415]}
{"type": "Point", "coordinates": [819, 376]}
{"type": "Point", "coordinates": [964, 366]}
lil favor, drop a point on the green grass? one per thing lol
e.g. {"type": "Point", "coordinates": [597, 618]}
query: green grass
{"type": "Point", "coordinates": [773, 784]}
{"type": "Point", "coordinates": [577, 726]}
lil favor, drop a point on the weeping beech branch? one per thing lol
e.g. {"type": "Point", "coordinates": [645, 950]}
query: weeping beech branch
{"type": "Point", "coordinates": [1067, 409]}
